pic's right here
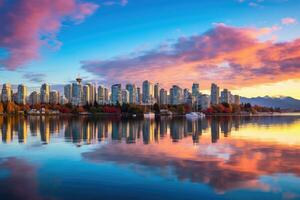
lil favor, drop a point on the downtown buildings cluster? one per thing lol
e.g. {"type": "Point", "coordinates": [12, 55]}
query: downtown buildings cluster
{"type": "Point", "coordinates": [79, 94]}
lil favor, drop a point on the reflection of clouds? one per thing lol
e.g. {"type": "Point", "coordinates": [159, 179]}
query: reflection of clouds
{"type": "Point", "coordinates": [21, 182]}
{"type": "Point", "coordinates": [220, 151]}
{"type": "Point", "coordinates": [234, 164]}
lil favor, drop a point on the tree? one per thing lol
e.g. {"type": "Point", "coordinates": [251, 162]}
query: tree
{"type": "Point", "coordinates": [11, 107]}
{"type": "Point", "coordinates": [1, 108]}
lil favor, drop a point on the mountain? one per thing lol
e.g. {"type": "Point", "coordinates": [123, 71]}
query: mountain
{"type": "Point", "coordinates": [275, 102]}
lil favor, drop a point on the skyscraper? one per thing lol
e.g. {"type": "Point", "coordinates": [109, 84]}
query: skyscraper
{"type": "Point", "coordinates": [86, 95]}
{"type": "Point", "coordinates": [22, 94]}
{"type": "Point", "coordinates": [54, 97]}
{"type": "Point", "coordinates": [163, 94]}
{"type": "Point", "coordinates": [195, 89]}
{"type": "Point", "coordinates": [34, 98]}
{"type": "Point", "coordinates": [176, 95]}
{"type": "Point", "coordinates": [116, 94]}
{"type": "Point", "coordinates": [148, 92]}
{"type": "Point", "coordinates": [44, 93]}
{"type": "Point", "coordinates": [77, 92]}
{"type": "Point", "coordinates": [131, 88]}
{"type": "Point", "coordinates": [237, 99]}
{"type": "Point", "coordinates": [68, 92]}
{"type": "Point", "coordinates": [125, 96]}
{"type": "Point", "coordinates": [6, 93]}
{"type": "Point", "coordinates": [138, 95]}
{"type": "Point", "coordinates": [225, 96]}
{"type": "Point", "coordinates": [204, 101]}
{"type": "Point", "coordinates": [92, 93]}
{"type": "Point", "coordinates": [63, 100]}
{"type": "Point", "coordinates": [157, 92]}
{"type": "Point", "coordinates": [106, 96]}
{"type": "Point", "coordinates": [215, 94]}
{"type": "Point", "coordinates": [101, 95]}
{"type": "Point", "coordinates": [187, 96]}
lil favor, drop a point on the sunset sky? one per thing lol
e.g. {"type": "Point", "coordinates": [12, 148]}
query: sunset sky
{"type": "Point", "coordinates": [249, 46]}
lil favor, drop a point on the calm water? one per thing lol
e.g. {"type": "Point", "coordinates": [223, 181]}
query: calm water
{"type": "Point", "coordinates": [94, 158]}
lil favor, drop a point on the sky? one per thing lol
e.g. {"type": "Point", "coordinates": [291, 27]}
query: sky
{"type": "Point", "coordinates": [251, 47]}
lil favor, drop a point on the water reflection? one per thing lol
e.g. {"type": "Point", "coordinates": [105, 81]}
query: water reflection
{"type": "Point", "coordinates": [85, 130]}
{"type": "Point", "coordinates": [225, 153]}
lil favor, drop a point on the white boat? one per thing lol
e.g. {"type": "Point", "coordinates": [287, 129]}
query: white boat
{"type": "Point", "coordinates": [149, 115]}
{"type": "Point", "coordinates": [194, 115]}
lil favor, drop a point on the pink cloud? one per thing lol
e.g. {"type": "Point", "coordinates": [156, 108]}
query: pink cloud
{"type": "Point", "coordinates": [30, 24]}
{"type": "Point", "coordinates": [202, 57]}
{"type": "Point", "coordinates": [288, 21]}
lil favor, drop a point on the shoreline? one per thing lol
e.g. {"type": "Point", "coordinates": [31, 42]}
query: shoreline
{"type": "Point", "coordinates": [127, 115]}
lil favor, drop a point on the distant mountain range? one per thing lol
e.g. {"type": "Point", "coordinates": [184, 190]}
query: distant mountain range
{"type": "Point", "coordinates": [278, 102]}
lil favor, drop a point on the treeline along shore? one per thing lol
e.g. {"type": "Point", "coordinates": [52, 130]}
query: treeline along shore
{"type": "Point", "coordinates": [132, 109]}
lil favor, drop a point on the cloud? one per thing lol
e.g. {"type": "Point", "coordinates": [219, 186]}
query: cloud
{"type": "Point", "coordinates": [124, 2]}
{"type": "Point", "coordinates": [22, 180]}
{"type": "Point", "coordinates": [30, 24]}
{"type": "Point", "coordinates": [252, 3]}
{"type": "Point", "coordinates": [200, 58]}
{"type": "Point", "coordinates": [111, 3]}
{"type": "Point", "coordinates": [35, 77]}
{"type": "Point", "coordinates": [288, 21]}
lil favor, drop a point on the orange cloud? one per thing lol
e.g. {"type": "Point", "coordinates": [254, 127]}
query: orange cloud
{"type": "Point", "coordinates": [248, 60]}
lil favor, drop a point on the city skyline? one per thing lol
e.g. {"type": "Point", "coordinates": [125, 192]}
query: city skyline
{"type": "Point", "coordinates": [249, 46]}
{"type": "Point", "coordinates": [79, 93]}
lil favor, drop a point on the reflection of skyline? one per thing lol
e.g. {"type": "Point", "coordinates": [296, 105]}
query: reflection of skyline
{"type": "Point", "coordinates": [86, 130]}
{"type": "Point", "coordinates": [225, 153]}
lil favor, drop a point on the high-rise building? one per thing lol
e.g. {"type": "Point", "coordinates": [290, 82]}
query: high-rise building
{"type": "Point", "coordinates": [131, 88]}
{"type": "Point", "coordinates": [106, 96]}
{"type": "Point", "coordinates": [195, 89]}
{"type": "Point", "coordinates": [86, 95]}
{"type": "Point", "coordinates": [6, 93]}
{"type": "Point", "coordinates": [54, 97]}
{"type": "Point", "coordinates": [101, 95]}
{"type": "Point", "coordinates": [92, 93]}
{"type": "Point", "coordinates": [163, 94]}
{"type": "Point", "coordinates": [225, 96]}
{"type": "Point", "coordinates": [34, 98]}
{"type": "Point", "coordinates": [125, 96]}
{"type": "Point", "coordinates": [176, 95]}
{"type": "Point", "coordinates": [63, 100]}
{"type": "Point", "coordinates": [15, 97]}
{"type": "Point", "coordinates": [237, 99]}
{"type": "Point", "coordinates": [116, 94]}
{"type": "Point", "coordinates": [68, 92]}
{"type": "Point", "coordinates": [44, 93]}
{"type": "Point", "coordinates": [204, 101]}
{"type": "Point", "coordinates": [22, 94]}
{"type": "Point", "coordinates": [215, 94]}
{"type": "Point", "coordinates": [187, 96]}
{"type": "Point", "coordinates": [157, 93]}
{"type": "Point", "coordinates": [148, 92]}
{"type": "Point", "coordinates": [77, 92]}
{"type": "Point", "coordinates": [138, 95]}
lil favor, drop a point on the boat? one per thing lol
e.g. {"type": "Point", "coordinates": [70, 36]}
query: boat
{"type": "Point", "coordinates": [194, 115]}
{"type": "Point", "coordinates": [149, 115]}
